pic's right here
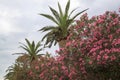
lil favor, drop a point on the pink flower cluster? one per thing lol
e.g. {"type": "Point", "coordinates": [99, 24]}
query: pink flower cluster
{"type": "Point", "coordinates": [93, 42]}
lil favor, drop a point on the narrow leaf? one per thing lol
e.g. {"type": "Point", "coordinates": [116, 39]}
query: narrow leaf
{"type": "Point", "coordinates": [46, 35]}
{"type": "Point", "coordinates": [29, 45]}
{"type": "Point", "coordinates": [50, 17]}
{"type": "Point", "coordinates": [60, 10]}
{"type": "Point", "coordinates": [72, 12]}
{"type": "Point", "coordinates": [37, 46]}
{"type": "Point", "coordinates": [79, 14]}
{"type": "Point", "coordinates": [56, 14]}
{"type": "Point", "coordinates": [67, 7]}
{"type": "Point", "coordinates": [47, 28]}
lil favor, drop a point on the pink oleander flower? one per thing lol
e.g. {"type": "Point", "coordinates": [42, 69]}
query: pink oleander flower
{"type": "Point", "coordinates": [90, 62]}
{"type": "Point", "coordinates": [113, 58]}
{"type": "Point", "coordinates": [98, 58]}
{"type": "Point", "coordinates": [68, 44]}
{"type": "Point", "coordinates": [61, 78]}
{"type": "Point", "coordinates": [72, 73]}
{"type": "Point", "coordinates": [106, 57]}
{"type": "Point", "coordinates": [37, 67]}
{"type": "Point", "coordinates": [100, 21]}
{"type": "Point", "coordinates": [30, 73]}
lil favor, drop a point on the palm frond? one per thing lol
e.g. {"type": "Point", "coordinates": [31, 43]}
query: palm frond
{"type": "Point", "coordinates": [37, 46]}
{"type": "Point", "coordinates": [26, 49]}
{"type": "Point", "coordinates": [24, 45]}
{"type": "Point", "coordinates": [49, 17]}
{"type": "Point", "coordinates": [69, 22]}
{"type": "Point", "coordinates": [47, 35]}
{"type": "Point", "coordinates": [60, 10]}
{"type": "Point", "coordinates": [67, 8]}
{"type": "Point", "coordinates": [56, 14]}
{"type": "Point", "coordinates": [33, 47]}
{"type": "Point", "coordinates": [79, 13]}
{"type": "Point", "coordinates": [29, 44]}
{"type": "Point", "coordinates": [72, 12]}
{"type": "Point", "coordinates": [51, 42]}
{"type": "Point", "coordinates": [47, 28]}
{"type": "Point", "coordinates": [18, 53]}
{"type": "Point", "coordinates": [38, 51]}
{"type": "Point", "coordinates": [49, 39]}
{"type": "Point", "coordinates": [55, 43]}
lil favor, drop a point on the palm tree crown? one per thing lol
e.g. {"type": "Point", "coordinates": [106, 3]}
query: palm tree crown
{"type": "Point", "coordinates": [62, 21]}
{"type": "Point", "coordinates": [32, 49]}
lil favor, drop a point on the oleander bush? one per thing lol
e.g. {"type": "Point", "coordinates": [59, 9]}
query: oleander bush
{"type": "Point", "coordinates": [93, 48]}
{"type": "Point", "coordinates": [92, 52]}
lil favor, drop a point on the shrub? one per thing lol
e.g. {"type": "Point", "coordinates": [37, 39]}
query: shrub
{"type": "Point", "coordinates": [93, 47]}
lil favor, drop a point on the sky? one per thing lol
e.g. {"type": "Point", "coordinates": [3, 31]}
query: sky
{"type": "Point", "coordinates": [20, 19]}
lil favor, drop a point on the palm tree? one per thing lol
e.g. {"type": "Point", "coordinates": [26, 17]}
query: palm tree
{"type": "Point", "coordinates": [15, 72]}
{"type": "Point", "coordinates": [32, 52]}
{"type": "Point", "coordinates": [11, 73]}
{"type": "Point", "coordinates": [24, 62]}
{"type": "Point", "coordinates": [62, 20]}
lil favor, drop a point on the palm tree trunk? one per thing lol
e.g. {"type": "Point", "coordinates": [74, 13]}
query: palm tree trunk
{"type": "Point", "coordinates": [62, 43]}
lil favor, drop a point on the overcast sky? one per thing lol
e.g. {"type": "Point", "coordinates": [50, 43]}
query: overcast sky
{"type": "Point", "coordinates": [19, 19]}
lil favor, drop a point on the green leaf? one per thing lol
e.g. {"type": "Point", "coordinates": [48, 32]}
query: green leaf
{"type": "Point", "coordinates": [47, 35]}
{"type": "Point", "coordinates": [60, 10]}
{"type": "Point", "coordinates": [72, 12]}
{"type": "Point", "coordinates": [26, 49]}
{"type": "Point", "coordinates": [49, 39]}
{"type": "Point", "coordinates": [37, 46]}
{"type": "Point", "coordinates": [51, 42]}
{"type": "Point", "coordinates": [55, 13]}
{"type": "Point", "coordinates": [79, 14]}
{"type": "Point", "coordinates": [29, 45]}
{"type": "Point", "coordinates": [67, 7]}
{"type": "Point", "coordinates": [55, 43]}
{"type": "Point", "coordinates": [24, 45]}
{"type": "Point", "coordinates": [48, 28]}
{"type": "Point", "coordinates": [18, 53]}
{"type": "Point", "coordinates": [38, 51]}
{"type": "Point", "coordinates": [33, 47]}
{"type": "Point", "coordinates": [50, 17]}
{"type": "Point", "coordinates": [69, 22]}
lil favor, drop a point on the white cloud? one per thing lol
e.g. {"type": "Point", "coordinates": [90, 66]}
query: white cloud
{"type": "Point", "coordinates": [97, 7]}
{"type": "Point", "coordinates": [7, 27]}
{"type": "Point", "coordinates": [7, 20]}
{"type": "Point", "coordinates": [1, 78]}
